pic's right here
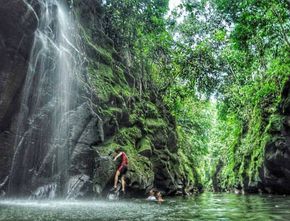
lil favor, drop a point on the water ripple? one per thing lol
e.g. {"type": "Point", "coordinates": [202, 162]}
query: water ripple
{"type": "Point", "coordinates": [206, 206]}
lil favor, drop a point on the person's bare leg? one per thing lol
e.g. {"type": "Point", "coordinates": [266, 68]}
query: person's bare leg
{"type": "Point", "coordinates": [123, 183]}
{"type": "Point", "coordinates": [116, 178]}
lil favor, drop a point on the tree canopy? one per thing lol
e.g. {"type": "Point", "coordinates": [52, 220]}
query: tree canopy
{"type": "Point", "coordinates": [220, 66]}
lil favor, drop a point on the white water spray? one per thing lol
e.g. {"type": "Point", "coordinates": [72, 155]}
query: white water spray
{"type": "Point", "coordinates": [50, 91]}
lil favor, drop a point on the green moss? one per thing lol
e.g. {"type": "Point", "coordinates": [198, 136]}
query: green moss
{"type": "Point", "coordinates": [123, 91]}
{"type": "Point", "coordinates": [100, 77]}
{"type": "Point", "coordinates": [186, 168]}
{"type": "Point", "coordinates": [155, 123]}
{"type": "Point", "coordinates": [109, 79]}
{"type": "Point", "coordinates": [105, 71]}
{"type": "Point", "coordinates": [127, 136]}
{"type": "Point", "coordinates": [112, 111]}
{"type": "Point", "coordinates": [107, 147]}
{"type": "Point", "coordinates": [144, 147]}
{"type": "Point", "coordinates": [107, 84]}
{"type": "Point", "coordinates": [248, 152]}
{"type": "Point", "coordinates": [275, 123]}
{"type": "Point", "coordinates": [120, 75]}
{"type": "Point", "coordinates": [133, 118]}
{"type": "Point", "coordinates": [140, 168]}
{"type": "Point", "coordinates": [103, 54]}
{"type": "Point", "coordinates": [151, 110]}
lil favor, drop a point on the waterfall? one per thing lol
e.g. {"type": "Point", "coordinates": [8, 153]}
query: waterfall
{"type": "Point", "coordinates": [50, 92]}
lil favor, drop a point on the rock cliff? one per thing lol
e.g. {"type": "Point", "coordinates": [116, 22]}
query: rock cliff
{"type": "Point", "coordinates": [275, 173]}
{"type": "Point", "coordinates": [114, 108]}
{"type": "Point", "coordinates": [261, 152]}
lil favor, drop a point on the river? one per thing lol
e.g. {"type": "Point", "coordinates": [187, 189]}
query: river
{"type": "Point", "coordinates": [206, 206]}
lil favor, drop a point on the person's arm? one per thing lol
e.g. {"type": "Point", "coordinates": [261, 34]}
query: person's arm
{"type": "Point", "coordinates": [116, 157]}
{"type": "Point", "coordinates": [160, 200]}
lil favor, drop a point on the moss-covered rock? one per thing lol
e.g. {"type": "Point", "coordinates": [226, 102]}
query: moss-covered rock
{"type": "Point", "coordinates": [145, 148]}
{"type": "Point", "coordinates": [132, 118]}
{"type": "Point", "coordinates": [259, 161]}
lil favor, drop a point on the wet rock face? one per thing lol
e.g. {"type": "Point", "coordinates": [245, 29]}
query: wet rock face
{"type": "Point", "coordinates": [97, 123]}
{"type": "Point", "coordinates": [31, 166]}
{"type": "Point", "coordinates": [275, 173]}
{"type": "Point", "coordinates": [17, 25]}
{"type": "Point", "coordinates": [104, 174]}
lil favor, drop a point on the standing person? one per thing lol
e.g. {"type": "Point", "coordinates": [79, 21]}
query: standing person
{"type": "Point", "coordinates": [122, 168]}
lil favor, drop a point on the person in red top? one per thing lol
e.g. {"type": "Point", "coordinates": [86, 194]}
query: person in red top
{"type": "Point", "coordinates": [122, 168]}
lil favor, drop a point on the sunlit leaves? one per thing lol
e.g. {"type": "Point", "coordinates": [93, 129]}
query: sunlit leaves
{"type": "Point", "coordinates": [234, 50]}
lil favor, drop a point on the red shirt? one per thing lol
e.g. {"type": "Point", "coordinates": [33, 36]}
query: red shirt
{"type": "Point", "coordinates": [124, 161]}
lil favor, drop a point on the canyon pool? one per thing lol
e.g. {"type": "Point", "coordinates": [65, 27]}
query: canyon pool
{"type": "Point", "coordinates": [206, 206]}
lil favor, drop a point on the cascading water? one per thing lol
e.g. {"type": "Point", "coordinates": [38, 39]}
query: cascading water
{"type": "Point", "coordinates": [50, 91]}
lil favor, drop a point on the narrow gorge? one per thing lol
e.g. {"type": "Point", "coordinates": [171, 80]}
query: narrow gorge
{"type": "Point", "coordinates": [197, 96]}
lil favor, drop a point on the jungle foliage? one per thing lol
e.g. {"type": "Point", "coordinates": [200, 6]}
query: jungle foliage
{"type": "Point", "coordinates": [220, 66]}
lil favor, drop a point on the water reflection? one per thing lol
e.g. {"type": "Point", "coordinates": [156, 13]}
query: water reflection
{"type": "Point", "coordinates": [206, 206]}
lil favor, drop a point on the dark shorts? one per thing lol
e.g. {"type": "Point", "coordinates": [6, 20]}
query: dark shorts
{"type": "Point", "coordinates": [123, 170]}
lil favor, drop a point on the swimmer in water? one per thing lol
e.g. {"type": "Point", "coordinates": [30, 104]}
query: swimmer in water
{"type": "Point", "coordinates": [151, 196]}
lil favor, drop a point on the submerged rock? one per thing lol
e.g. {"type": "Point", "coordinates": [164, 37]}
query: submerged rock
{"type": "Point", "coordinates": [44, 192]}
{"type": "Point", "coordinates": [78, 186]}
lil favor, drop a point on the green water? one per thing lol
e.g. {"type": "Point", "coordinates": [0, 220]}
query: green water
{"type": "Point", "coordinates": [206, 206]}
